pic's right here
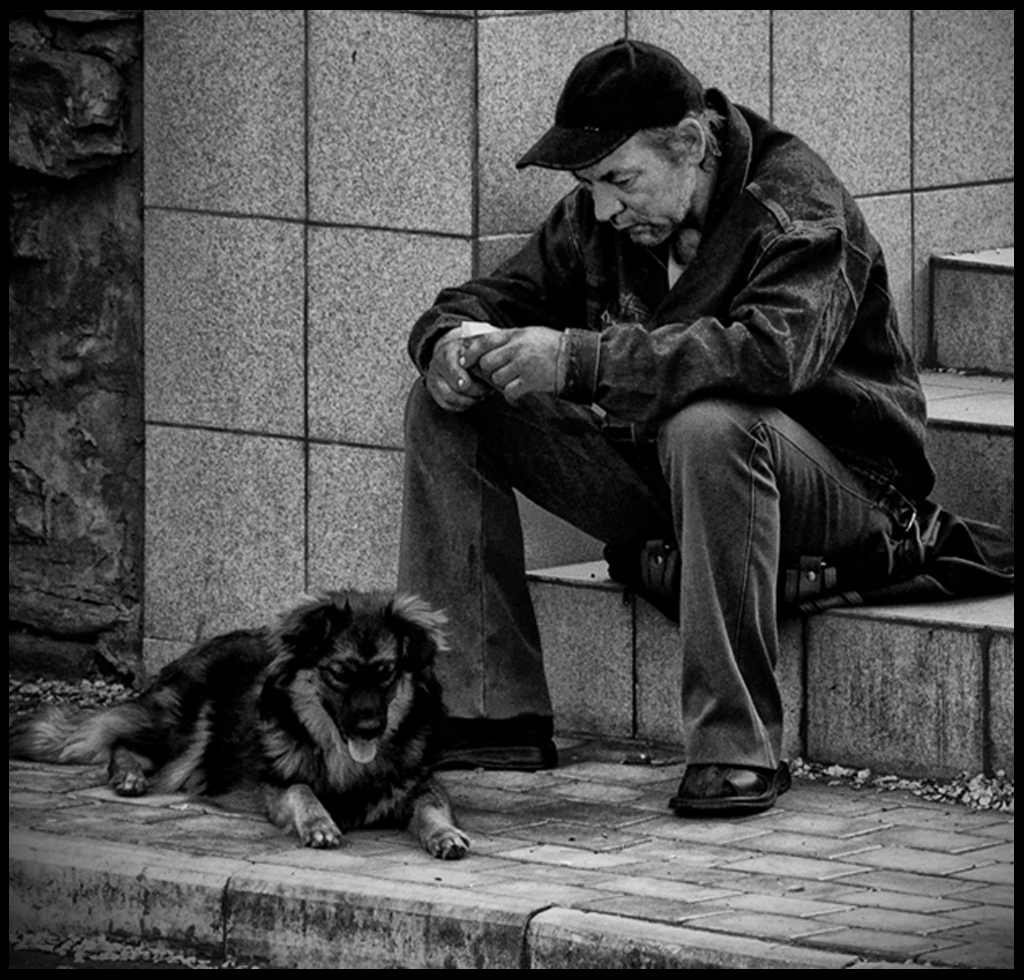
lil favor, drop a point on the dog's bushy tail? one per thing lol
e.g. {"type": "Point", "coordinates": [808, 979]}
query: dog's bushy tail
{"type": "Point", "coordinates": [65, 734]}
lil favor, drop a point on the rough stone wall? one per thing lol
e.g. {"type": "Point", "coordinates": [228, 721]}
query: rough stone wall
{"type": "Point", "coordinates": [75, 325]}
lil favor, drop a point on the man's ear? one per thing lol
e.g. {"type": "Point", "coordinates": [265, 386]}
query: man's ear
{"type": "Point", "coordinates": [694, 139]}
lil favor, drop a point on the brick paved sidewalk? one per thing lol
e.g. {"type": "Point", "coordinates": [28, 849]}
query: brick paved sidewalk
{"type": "Point", "coordinates": [580, 867]}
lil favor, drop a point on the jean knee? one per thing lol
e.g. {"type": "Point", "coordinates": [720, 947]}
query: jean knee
{"type": "Point", "coordinates": [703, 430]}
{"type": "Point", "coordinates": [423, 416]}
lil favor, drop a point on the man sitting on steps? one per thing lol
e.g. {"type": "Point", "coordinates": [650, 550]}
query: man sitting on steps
{"type": "Point", "coordinates": [697, 345]}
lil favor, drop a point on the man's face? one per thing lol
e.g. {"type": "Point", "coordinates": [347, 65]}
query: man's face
{"type": "Point", "coordinates": [641, 191]}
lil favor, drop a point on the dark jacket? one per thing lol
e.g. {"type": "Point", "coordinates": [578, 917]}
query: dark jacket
{"type": "Point", "coordinates": [786, 302]}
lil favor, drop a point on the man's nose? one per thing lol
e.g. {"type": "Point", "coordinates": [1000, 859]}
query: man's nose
{"type": "Point", "coordinates": [606, 203]}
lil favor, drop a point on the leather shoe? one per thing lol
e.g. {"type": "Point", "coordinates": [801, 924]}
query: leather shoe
{"type": "Point", "coordinates": [718, 790]}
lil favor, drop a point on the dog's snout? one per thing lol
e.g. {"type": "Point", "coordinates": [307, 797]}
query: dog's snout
{"type": "Point", "coordinates": [365, 714]}
{"type": "Point", "coordinates": [367, 728]}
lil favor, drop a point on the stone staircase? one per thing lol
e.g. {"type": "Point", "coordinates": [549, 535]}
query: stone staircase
{"type": "Point", "coordinates": [923, 690]}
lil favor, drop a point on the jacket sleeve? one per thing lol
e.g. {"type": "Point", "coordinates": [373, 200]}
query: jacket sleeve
{"type": "Point", "coordinates": [543, 284]}
{"type": "Point", "coordinates": [782, 323]}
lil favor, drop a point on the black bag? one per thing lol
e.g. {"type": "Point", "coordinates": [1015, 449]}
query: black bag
{"type": "Point", "coordinates": [938, 556]}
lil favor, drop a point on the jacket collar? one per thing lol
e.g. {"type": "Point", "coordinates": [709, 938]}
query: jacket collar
{"type": "Point", "coordinates": [737, 144]}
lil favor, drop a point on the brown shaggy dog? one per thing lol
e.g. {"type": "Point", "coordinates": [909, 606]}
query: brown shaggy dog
{"type": "Point", "coordinates": [332, 717]}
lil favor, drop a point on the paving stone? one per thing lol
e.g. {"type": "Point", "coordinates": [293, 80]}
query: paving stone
{"type": "Point", "coordinates": [877, 943]}
{"type": "Point", "coordinates": [26, 801]}
{"type": "Point", "coordinates": [918, 884]}
{"type": "Point", "coordinates": [904, 901]}
{"type": "Point", "coordinates": [766, 925]}
{"type": "Point", "coordinates": [810, 845]}
{"type": "Point", "coordinates": [916, 859]}
{"type": "Point", "coordinates": [705, 831]}
{"type": "Point", "coordinates": [993, 874]}
{"type": "Point", "coordinates": [586, 836]}
{"type": "Point", "coordinates": [816, 870]}
{"type": "Point", "coordinates": [992, 895]}
{"type": "Point", "coordinates": [596, 792]}
{"type": "Point", "coordinates": [647, 908]}
{"type": "Point", "coordinates": [778, 905]}
{"type": "Point", "coordinates": [569, 856]}
{"type": "Point", "coordinates": [1000, 831]}
{"type": "Point", "coordinates": [549, 892]}
{"type": "Point", "coordinates": [991, 928]}
{"type": "Point", "coordinates": [693, 856]}
{"type": "Point", "coordinates": [1002, 853]}
{"type": "Point", "coordinates": [982, 956]}
{"type": "Point", "coordinates": [936, 840]}
{"type": "Point", "coordinates": [54, 779]}
{"type": "Point", "coordinates": [560, 873]}
{"type": "Point", "coordinates": [845, 828]}
{"type": "Point", "coordinates": [945, 818]}
{"type": "Point", "coordinates": [890, 920]}
{"type": "Point", "coordinates": [641, 887]}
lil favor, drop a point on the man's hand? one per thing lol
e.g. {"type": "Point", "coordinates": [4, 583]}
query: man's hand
{"type": "Point", "coordinates": [516, 362]}
{"type": "Point", "coordinates": [449, 382]}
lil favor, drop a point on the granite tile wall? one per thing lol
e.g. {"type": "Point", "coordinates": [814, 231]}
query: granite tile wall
{"type": "Point", "coordinates": [224, 111]}
{"type": "Point", "coordinates": [313, 177]}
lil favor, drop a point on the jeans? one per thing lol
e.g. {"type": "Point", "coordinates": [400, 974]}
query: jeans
{"type": "Point", "coordinates": [743, 488]}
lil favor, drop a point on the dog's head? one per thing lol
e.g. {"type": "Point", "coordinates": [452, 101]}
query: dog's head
{"type": "Point", "coordinates": [354, 660]}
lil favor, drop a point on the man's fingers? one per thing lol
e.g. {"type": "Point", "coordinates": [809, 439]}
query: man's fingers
{"type": "Point", "coordinates": [472, 349]}
{"type": "Point", "coordinates": [501, 377]}
{"type": "Point", "coordinates": [454, 397]}
{"type": "Point", "coordinates": [446, 366]}
{"type": "Point", "coordinates": [499, 359]}
{"type": "Point", "coordinates": [514, 390]}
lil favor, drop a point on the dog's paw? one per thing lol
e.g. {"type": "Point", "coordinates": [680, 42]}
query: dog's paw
{"type": "Point", "coordinates": [129, 783]}
{"type": "Point", "coordinates": [448, 844]}
{"type": "Point", "coordinates": [319, 831]}
{"type": "Point", "coordinates": [127, 773]}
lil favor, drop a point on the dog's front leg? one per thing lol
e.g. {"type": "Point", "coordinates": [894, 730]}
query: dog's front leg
{"type": "Point", "coordinates": [434, 824]}
{"type": "Point", "coordinates": [297, 808]}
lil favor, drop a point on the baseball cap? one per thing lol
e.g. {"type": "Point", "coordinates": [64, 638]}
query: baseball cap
{"type": "Point", "coordinates": [611, 94]}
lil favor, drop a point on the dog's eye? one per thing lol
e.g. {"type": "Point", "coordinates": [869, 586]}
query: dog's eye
{"type": "Point", "coordinates": [338, 674]}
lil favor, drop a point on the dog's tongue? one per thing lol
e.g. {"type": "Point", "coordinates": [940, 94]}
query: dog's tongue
{"type": "Point", "coordinates": [362, 750]}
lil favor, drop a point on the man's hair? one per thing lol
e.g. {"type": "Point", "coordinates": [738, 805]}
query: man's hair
{"type": "Point", "coordinates": [673, 144]}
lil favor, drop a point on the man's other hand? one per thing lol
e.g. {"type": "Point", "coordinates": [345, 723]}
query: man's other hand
{"type": "Point", "coordinates": [516, 362]}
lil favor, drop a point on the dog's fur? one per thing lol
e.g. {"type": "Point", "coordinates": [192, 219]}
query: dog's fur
{"type": "Point", "coordinates": [332, 716]}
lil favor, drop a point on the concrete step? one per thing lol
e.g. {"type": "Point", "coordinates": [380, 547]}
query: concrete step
{"type": "Point", "coordinates": [970, 443]}
{"type": "Point", "coordinates": [972, 310]}
{"type": "Point", "coordinates": [915, 690]}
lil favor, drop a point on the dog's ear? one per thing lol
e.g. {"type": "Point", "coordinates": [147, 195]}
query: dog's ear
{"type": "Point", "coordinates": [420, 627]}
{"type": "Point", "coordinates": [306, 631]}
